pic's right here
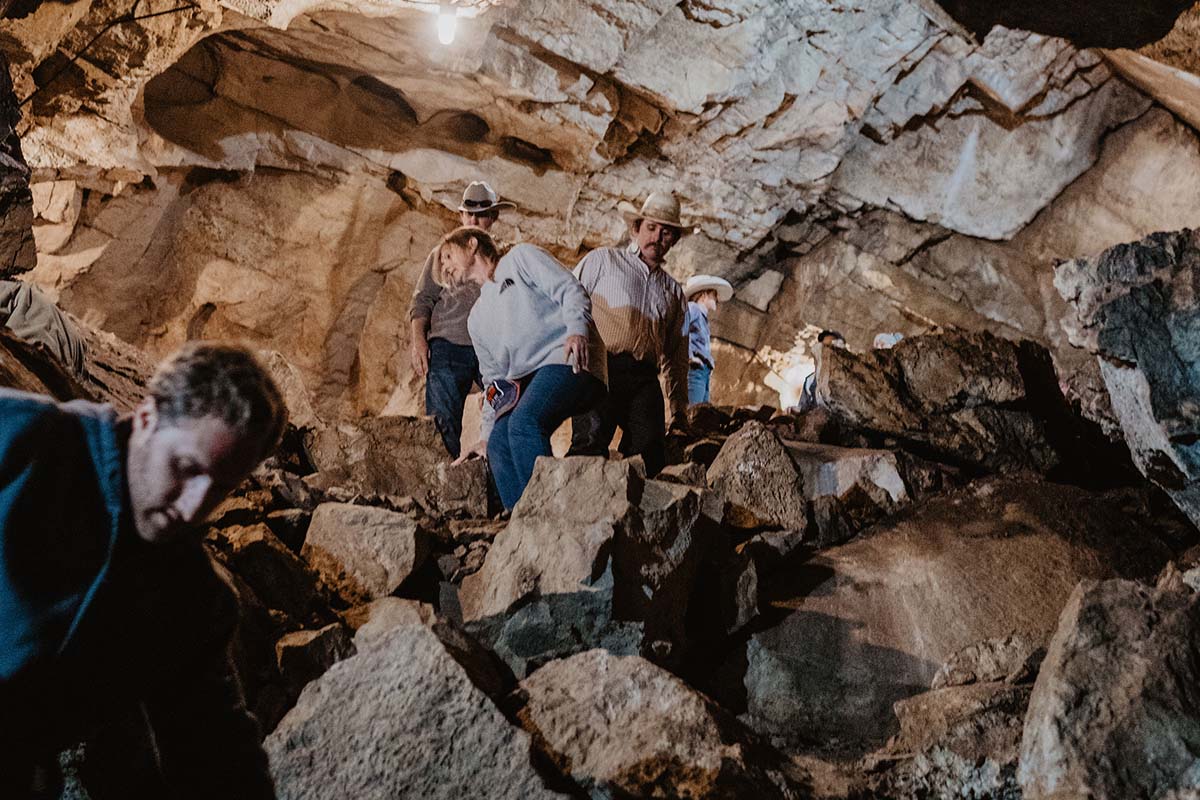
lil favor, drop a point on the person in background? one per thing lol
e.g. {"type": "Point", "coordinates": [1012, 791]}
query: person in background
{"type": "Point", "coordinates": [114, 625]}
{"type": "Point", "coordinates": [703, 292]}
{"type": "Point", "coordinates": [540, 355]}
{"type": "Point", "coordinates": [30, 316]}
{"type": "Point", "coordinates": [808, 394]}
{"type": "Point", "coordinates": [886, 341]}
{"type": "Point", "coordinates": [639, 310]}
{"type": "Point", "coordinates": [441, 346]}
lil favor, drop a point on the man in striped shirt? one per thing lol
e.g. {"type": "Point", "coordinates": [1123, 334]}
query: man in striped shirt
{"type": "Point", "coordinates": [639, 310]}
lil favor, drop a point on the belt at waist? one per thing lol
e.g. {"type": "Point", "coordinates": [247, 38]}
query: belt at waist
{"type": "Point", "coordinates": [629, 363]}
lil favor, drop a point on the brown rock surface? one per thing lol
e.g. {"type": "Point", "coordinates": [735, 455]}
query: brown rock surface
{"type": "Point", "coordinates": [304, 656]}
{"type": "Point", "coordinates": [402, 718]}
{"type": "Point", "coordinates": [758, 479]}
{"type": "Point", "coordinates": [1115, 712]}
{"type": "Point", "coordinates": [618, 571]}
{"type": "Point", "coordinates": [363, 553]}
{"type": "Point", "coordinates": [278, 577]}
{"type": "Point", "coordinates": [620, 726]}
{"type": "Point", "coordinates": [1136, 309]}
{"type": "Point", "coordinates": [870, 622]}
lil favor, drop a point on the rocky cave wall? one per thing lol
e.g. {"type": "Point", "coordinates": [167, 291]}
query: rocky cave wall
{"type": "Point", "coordinates": [276, 171]}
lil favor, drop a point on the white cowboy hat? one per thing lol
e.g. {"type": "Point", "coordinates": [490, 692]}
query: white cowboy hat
{"type": "Point", "coordinates": [699, 283]}
{"type": "Point", "coordinates": [660, 207]}
{"type": "Point", "coordinates": [478, 197]}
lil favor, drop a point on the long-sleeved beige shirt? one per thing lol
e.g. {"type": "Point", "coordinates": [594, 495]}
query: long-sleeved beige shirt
{"type": "Point", "coordinates": [446, 309]}
{"type": "Point", "coordinates": [639, 311]}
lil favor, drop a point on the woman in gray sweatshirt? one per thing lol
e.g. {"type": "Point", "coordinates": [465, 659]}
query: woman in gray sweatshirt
{"type": "Point", "coordinates": [532, 326]}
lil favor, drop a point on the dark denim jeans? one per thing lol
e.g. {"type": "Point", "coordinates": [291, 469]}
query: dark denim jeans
{"type": "Point", "coordinates": [552, 394]}
{"type": "Point", "coordinates": [635, 404]}
{"type": "Point", "coordinates": [453, 368]}
{"type": "Point", "coordinates": [698, 379]}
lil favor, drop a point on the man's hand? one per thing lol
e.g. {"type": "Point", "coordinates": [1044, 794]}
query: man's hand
{"type": "Point", "coordinates": [576, 350]}
{"type": "Point", "coordinates": [477, 450]}
{"type": "Point", "coordinates": [419, 352]}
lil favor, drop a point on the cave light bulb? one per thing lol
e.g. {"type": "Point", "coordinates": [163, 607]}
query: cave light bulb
{"type": "Point", "coordinates": [447, 21]}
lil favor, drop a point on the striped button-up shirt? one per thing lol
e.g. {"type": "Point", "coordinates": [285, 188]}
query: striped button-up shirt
{"type": "Point", "coordinates": [641, 312]}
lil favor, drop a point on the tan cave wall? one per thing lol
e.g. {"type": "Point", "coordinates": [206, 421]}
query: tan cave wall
{"type": "Point", "coordinates": [863, 166]}
{"type": "Point", "coordinates": [319, 269]}
{"type": "Point", "coordinates": [885, 272]}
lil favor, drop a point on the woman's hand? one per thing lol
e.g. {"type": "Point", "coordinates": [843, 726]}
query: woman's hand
{"type": "Point", "coordinates": [576, 349]}
{"type": "Point", "coordinates": [477, 450]}
{"type": "Point", "coordinates": [419, 352]}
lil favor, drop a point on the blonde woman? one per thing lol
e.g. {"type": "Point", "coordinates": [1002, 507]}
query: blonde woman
{"type": "Point", "coordinates": [540, 355]}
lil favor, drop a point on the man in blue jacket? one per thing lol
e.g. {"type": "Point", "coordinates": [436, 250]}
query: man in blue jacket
{"type": "Point", "coordinates": [114, 628]}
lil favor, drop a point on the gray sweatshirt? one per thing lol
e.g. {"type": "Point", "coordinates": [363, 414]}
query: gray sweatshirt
{"type": "Point", "coordinates": [523, 318]}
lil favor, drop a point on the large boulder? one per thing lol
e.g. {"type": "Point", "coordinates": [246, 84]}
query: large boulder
{"type": "Point", "coordinates": [363, 552]}
{"type": "Point", "coordinates": [623, 727]}
{"type": "Point", "coordinates": [1115, 712]}
{"type": "Point", "coordinates": [758, 479]}
{"type": "Point", "coordinates": [594, 556]}
{"type": "Point", "coordinates": [873, 620]}
{"type": "Point", "coordinates": [834, 491]}
{"type": "Point", "coordinates": [960, 396]}
{"type": "Point", "coordinates": [962, 738]}
{"type": "Point", "coordinates": [403, 718]}
{"type": "Point", "coordinates": [1136, 307]}
{"type": "Point", "coordinates": [387, 455]}
{"type": "Point", "coordinates": [849, 488]}
{"type": "Point", "coordinates": [278, 577]}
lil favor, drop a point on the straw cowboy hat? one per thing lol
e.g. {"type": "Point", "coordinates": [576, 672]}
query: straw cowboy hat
{"type": "Point", "coordinates": [660, 207]}
{"type": "Point", "coordinates": [478, 197]}
{"type": "Point", "coordinates": [699, 283]}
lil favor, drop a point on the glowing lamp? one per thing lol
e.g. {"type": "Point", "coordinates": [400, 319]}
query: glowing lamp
{"type": "Point", "coordinates": [447, 22]}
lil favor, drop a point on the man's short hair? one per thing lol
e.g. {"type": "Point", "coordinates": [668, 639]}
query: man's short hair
{"type": "Point", "coordinates": [224, 381]}
{"type": "Point", "coordinates": [823, 335]}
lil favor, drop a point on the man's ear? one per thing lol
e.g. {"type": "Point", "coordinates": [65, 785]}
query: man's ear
{"type": "Point", "coordinates": [145, 417]}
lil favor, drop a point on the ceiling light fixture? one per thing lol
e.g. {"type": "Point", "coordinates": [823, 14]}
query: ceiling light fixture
{"type": "Point", "coordinates": [447, 22]}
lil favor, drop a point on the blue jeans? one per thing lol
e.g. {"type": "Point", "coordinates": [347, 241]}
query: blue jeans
{"type": "Point", "coordinates": [550, 396]}
{"type": "Point", "coordinates": [452, 370]}
{"type": "Point", "coordinates": [698, 378]}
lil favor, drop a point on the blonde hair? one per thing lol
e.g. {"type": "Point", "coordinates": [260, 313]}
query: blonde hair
{"type": "Point", "coordinates": [485, 246]}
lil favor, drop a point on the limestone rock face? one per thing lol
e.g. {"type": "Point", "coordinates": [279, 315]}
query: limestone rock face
{"type": "Point", "coordinates": [1013, 659]}
{"type": "Point", "coordinates": [304, 656]}
{"type": "Point", "coordinates": [276, 575]}
{"type": "Point", "coordinates": [617, 571]}
{"type": "Point", "coordinates": [1115, 711]}
{"type": "Point", "coordinates": [361, 552]}
{"type": "Point", "coordinates": [162, 170]}
{"type": "Point", "coordinates": [621, 726]}
{"type": "Point", "coordinates": [546, 588]}
{"type": "Point", "coordinates": [403, 718]}
{"type": "Point", "coordinates": [873, 620]}
{"type": "Point", "coordinates": [1135, 307]}
{"type": "Point", "coordinates": [755, 474]}
{"type": "Point", "coordinates": [962, 395]}
{"type": "Point", "coordinates": [391, 455]}
{"type": "Point", "coordinates": [17, 253]}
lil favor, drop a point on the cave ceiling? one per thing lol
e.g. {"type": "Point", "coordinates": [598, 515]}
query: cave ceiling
{"type": "Point", "coordinates": [785, 127]}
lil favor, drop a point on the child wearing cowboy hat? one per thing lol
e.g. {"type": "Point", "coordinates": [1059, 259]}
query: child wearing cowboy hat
{"type": "Point", "coordinates": [703, 292]}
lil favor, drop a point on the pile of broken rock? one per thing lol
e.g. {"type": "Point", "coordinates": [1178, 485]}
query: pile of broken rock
{"type": "Point", "coordinates": [924, 588]}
